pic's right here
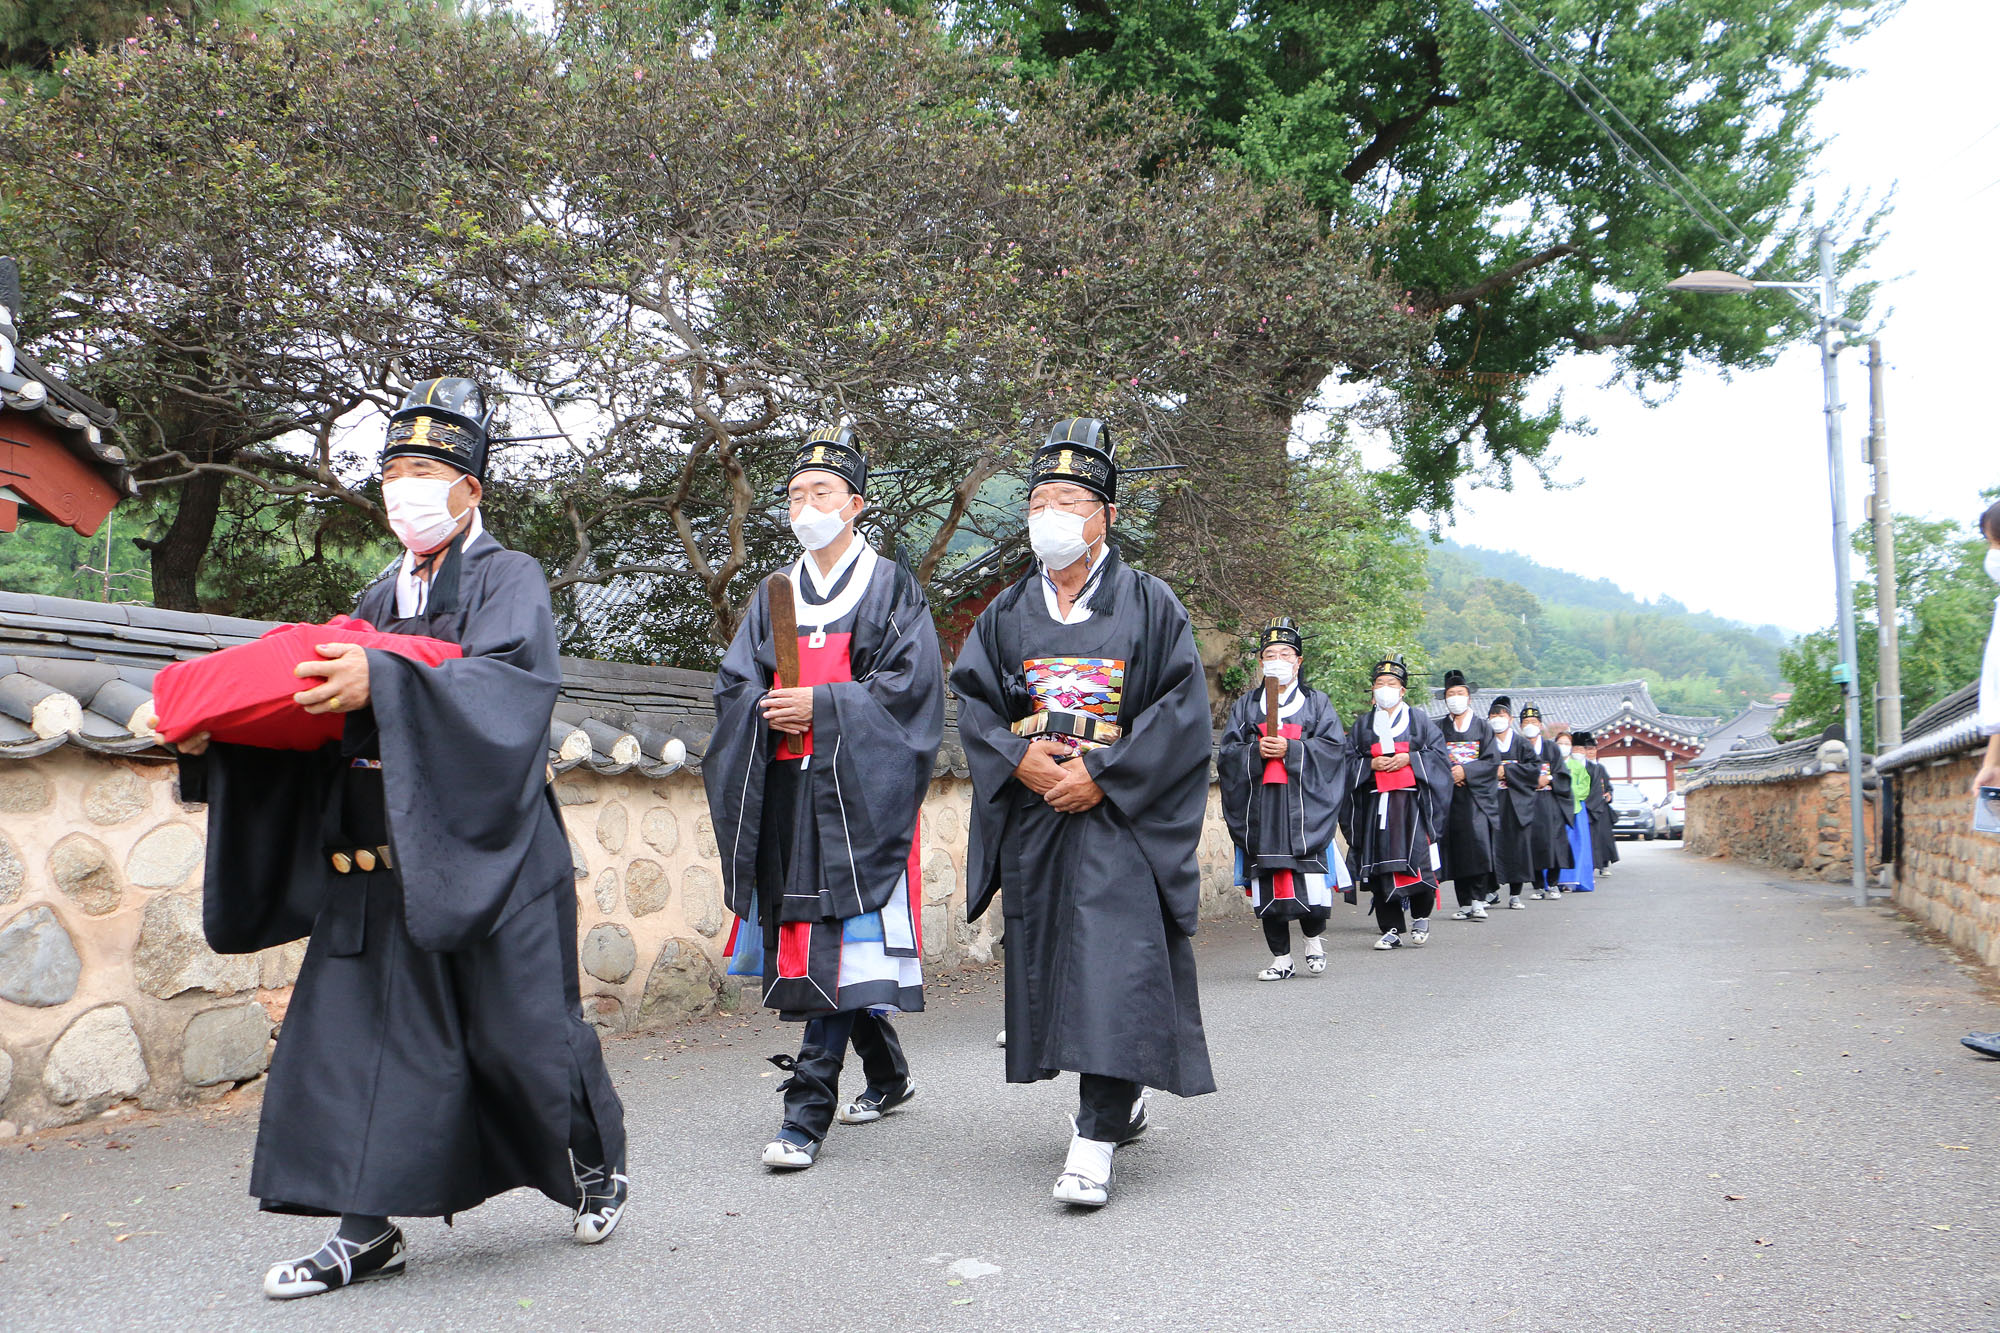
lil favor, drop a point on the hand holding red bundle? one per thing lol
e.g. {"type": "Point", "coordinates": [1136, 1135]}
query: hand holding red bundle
{"type": "Point", "coordinates": [250, 695]}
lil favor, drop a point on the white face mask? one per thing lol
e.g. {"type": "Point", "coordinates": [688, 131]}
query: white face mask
{"type": "Point", "coordinates": [1280, 671]}
{"type": "Point", "coordinates": [1057, 536]}
{"type": "Point", "coordinates": [1563, 748]}
{"type": "Point", "coordinates": [817, 528]}
{"type": "Point", "coordinates": [419, 510]}
{"type": "Point", "coordinates": [1387, 697]}
{"type": "Point", "coordinates": [1456, 704]}
{"type": "Point", "coordinates": [1993, 563]}
{"type": "Point", "coordinates": [1532, 730]}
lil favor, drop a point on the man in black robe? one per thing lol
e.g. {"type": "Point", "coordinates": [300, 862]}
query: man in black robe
{"type": "Point", "coordinates": [815, 784]}
{"type": "Point", "coordinates": [1083, 710]}
{"type": "Point", "coordinates": [1603, 845]}
{"type": "Point", "coordinates": [1520, 843]}
{"type": "Point", "coordinates": [1401, 774]}
{"type": "Point", "coordinates": [434, 1053]}
{"type": "Point", "coordinates": [1281, 798]}
{"type": "Point", "coordinates": [1467, 845]}
{"type": "Point", "coordinates": [1551, 803]}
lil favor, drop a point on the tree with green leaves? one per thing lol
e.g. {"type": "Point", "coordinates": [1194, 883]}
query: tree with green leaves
{"type": "Point", "coordinates": [1506, 214]}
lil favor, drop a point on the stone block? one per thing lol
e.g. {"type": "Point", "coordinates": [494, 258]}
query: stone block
{"type": "Point", "coordinates": [164, 858]}
{"type": "Point", "coordinates": [704, 839]}
{"type": "Point", "coordinates": [172, 957]}
{"type": "Point", "coordinates": [612, 824]}
{"type": "Point", "coordinates": [226, 1045]}
{"type": "Point", "coordinates": [683, 983]}
{"type": "Point", "coordinates": [646, 887]}
{"type": "Point", "coordinates": [38, 961]}
{"type": "Point", "coordinates": [82, 868]}
{"type": "Point", "coordinates": [571, 792]}
{"type": "Point", "coordinates": [605, 1012]}
{"type": "Point", "coordinates": [937, 921]}
{"type": "Point", "coordinates": [97, 1056]}
{"type": "Point", "coordinates": [661, 829]}
{"type": "Point", "coordinates": [23, 791]}
{"type": "Point", "coordinates": [278, 968]}
{"type": "Point", "coordinates": [579, 863]}
{"type": "Point", "coordinates": [701, 900]}
{"type": "Point", "coordinates": [608, 952]}
{"type": "Point", "coordinates": [940, 876]}
{"type": "Point", "coordinates": [13, 873]}
{"type": "Point", "coordinates": [606, 891]}
{"type": "Point", "coordinates": [6, 1076]}
{"type": "Point", "coordinates": [114, 798]}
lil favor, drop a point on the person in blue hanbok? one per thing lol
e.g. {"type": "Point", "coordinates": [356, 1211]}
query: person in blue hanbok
{"type": "Point", "coordinates": [1580, 876]}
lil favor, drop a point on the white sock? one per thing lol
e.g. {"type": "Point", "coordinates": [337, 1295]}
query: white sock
{"type": "Point", "coordinates": [1316, 947]}
{"type": "Point", "coordinates": [1281, 961]}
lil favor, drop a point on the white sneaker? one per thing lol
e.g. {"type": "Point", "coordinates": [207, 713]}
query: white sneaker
{"type": "Point", "coordinates": [1279, 970]}
{"type": "Point", "coordinates": [1514, 903]}
{"type": "Point", "coordinates": [1478, 912]}
{"type": "Point", "coordinates": [1086, 1175]}
{"type": "Point", "coordinates": [1001, 1040]}
{"type": "Point", "coordinates": [1315, 958]}
{"type": "Point", "coordinates": [784, 1155]}
{"type": "Point", "coordinates": [1391, 940]}
{"type": "Point", "coordinates": [1420, 932]}
{"type": "Point", "coordinates": [1462, 914]}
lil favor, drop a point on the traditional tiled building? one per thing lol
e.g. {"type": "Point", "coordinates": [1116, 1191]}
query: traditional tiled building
{"type": "Point", "coordinates": [56, 462]}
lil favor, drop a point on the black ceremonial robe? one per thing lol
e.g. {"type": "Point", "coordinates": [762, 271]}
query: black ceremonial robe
{"type": "Point", "coordinates": [1552, 803]}
{"type": "Point", "coordinates": [1099, 905]}
{"type": "Point", "coordinates": [1397, 817]}
{"type": "Point", "coordinates": [1282, 813]}
{"type": "Point", "coordinates": [817, 857]}
{"type": "Point", "coordinates": [1467, 844]}
{"type": "Point", "coordinates": [434, 1053]}
{"type": "Point", "coordinates": [1603, 845]}
{"type": "Point", "coordinates": [1521, 847]}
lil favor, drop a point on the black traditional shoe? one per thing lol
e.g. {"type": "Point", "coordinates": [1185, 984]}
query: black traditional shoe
{"type": "Point", "coordinates": [338, 1263]}
{"type": "Point", "coordinates": [873, 1104]}
{"type": "Point", "coordinates": [601, 1201]}
{"type": "Point", "coordinates": [1986, 1043]}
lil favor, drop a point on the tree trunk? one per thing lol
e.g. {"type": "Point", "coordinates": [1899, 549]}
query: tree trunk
{"type": "Point", "coordinates": [177, 556]}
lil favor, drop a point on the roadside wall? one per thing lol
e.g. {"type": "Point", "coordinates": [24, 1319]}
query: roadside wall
{"type": "Point", "coordinates": [1947, 876]}
{"type": "Point", "coordinates": [109, 995]}
{"type": "Point", "coordinates": [1794, 823]}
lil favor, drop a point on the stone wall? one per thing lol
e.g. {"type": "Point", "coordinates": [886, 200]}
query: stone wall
{"type": "Point", "coordinates": [1793, 823]}
{"type": "Point", "coordinates": [1947, 876]}
{"type": "Point", "coordinates": [109, 995]}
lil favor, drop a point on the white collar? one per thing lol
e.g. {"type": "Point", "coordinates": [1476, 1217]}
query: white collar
{"type": "Point", "coordinates": [1079, 610]}
{"type": "Point", "coordinates": [413, 594]}
{"type": "Point", "coordinates": [861, 558]}
{"type": "Point", "coordinates": [823, 582]}
{"type": "Point", "coordinates": [1392, 724]}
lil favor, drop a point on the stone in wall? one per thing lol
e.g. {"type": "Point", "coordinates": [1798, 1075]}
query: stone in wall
{"type": "Point", "coordinates": [226, 1045]}
{"type": "Point", "coordinates": [278, 968]}
{"type": "Point", "coordinates": [682, 984]}
{"type": "Point", "coordinates": [607, 891]}
{"type": "Point", "coordinates": [612, 824]}
{"type": "Point", "coordinates": [579, 864]}
{"type": "Point", "coordinates": [606, 1013]}
{"type": "Point", "coordinates": [12, 872]}
{"type": "Point", "coordinates": [571, 792]}
{"type": "Point", "coordinates": [940, 876]}
{"type": "Point", "coordinates": [704, 839]}
{"type": "Point", "coordinates": [6, 1076]}
{"type": "Point", "coordinates": [942, 823]}
{"type": "Point", "coordinates": [38, 961]}
{"type": "Point", "coordinates": [164, 858]}
{"type": "Point", "coordinates": [82, 868]}
{"type": "Point", "coordinates": [97, 1056]}
{"type": "Point", "coordinates": [172, 957]}
{"type": "Point", "coordinates": [608, 952]}
{"type": "Point", "coordinates": [645, 887]}
{"type": "Point", "coordinates": [701, 900]}
{"type": "Point", "coordinates": [23, 792]}
{"type": "Point", "coordinates": [114, 798]}
{"type": "Point", "coordinates": [661, 830]}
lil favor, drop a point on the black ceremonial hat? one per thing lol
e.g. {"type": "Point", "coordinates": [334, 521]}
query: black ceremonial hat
{"type": "Point", "coordinates": [445, 419]}
{"type": "Point", "coordinates": [1530, 711]}
{"type": "Point", "coordinates": [1501, 704]}
{"type": "Point", "coordinates": [1078, 451]}
{"type": "Point", "coordinates": [833, 450]}
{"type": "Point", "coordinates": [1454, 679]}
{"type": "Point", "coordinates": [1582, 740]}
{"type": "Point", "coordinates": [1282, 630]}
{"type": "Point", "coordinates": [1391, 666]}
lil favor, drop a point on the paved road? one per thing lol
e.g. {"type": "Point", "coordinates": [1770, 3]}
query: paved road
{"type": "Point", "coordinates": [1703, 1098]}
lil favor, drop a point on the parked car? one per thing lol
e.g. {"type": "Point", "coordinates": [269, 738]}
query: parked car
{"type": "Point", "coordinates": [1631, 811]}
{"type": "Point", "coordinates": [1670, 816]}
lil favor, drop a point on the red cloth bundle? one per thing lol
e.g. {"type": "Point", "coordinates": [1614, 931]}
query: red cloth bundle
{"type": "Point", "coordinates": [1401, 779]}
{"type": "Point", "coordinates": [243, 695]}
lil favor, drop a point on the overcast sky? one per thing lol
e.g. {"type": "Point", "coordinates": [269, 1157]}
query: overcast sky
{"type": "Point", "coordinates": [1719, 498]}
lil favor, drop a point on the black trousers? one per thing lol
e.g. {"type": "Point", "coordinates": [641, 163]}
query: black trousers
{"type": "Point", "coordinates": [1104, 1107]}
{"type": "Point", "coordinates": [813, 1090]}
{"type": "Point", "coordinates": [1278, 931]}
{"type": "Point", "coordinates": [1389, 913]}
{"type": "Point", "coordinates": [1474, 888]}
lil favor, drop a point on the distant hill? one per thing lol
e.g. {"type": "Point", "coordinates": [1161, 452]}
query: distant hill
{"type": "Point", "coordinates": [1504, 618]}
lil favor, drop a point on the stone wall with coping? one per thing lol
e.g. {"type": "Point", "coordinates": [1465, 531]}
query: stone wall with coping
{"type": "Point", "coordinates": [109, 996]}
{"type": "Point", "coordinates": [1947, 876]}
{"type": "Point", "coordinates": [1793, 823]}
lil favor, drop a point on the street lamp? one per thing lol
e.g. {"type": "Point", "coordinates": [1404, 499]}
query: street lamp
{"type": "Point", "coordinates": [1829, 319]}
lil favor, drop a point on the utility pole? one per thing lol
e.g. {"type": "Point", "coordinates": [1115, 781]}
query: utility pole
{"type": "Point", "coordinates": [1888, 655]}
{"type": "Point", "coordinates": [1845, 673]}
